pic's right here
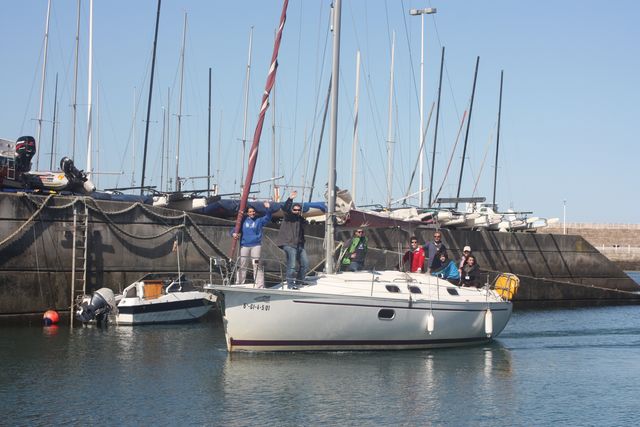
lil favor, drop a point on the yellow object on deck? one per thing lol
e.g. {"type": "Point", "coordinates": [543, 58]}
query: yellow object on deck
{"type": "Point", "coordinates": [506, 285]}
{"type": "Point", "coordinates": [152, 289]}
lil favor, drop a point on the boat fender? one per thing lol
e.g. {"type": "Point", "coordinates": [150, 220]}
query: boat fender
{"type": "Point", "coordinates": [431, 323]}
{"type": "Point", "coordinates": [488, 323]}
{"type": "Point", "coordinates": [50, 317]}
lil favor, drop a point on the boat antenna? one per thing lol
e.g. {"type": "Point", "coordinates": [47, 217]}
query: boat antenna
{"type": "Point", "coordinates": [333, 135]}
{"type": "Point", "coordinates": [146, 132]}
{"type": "Point", "coordinates": [495, 173]}
{"type": "Point", "coordinates": [466, 136]}
{"type": "Point", "coordinates": [253, 153]}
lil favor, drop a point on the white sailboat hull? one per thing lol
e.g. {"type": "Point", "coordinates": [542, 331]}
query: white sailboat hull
{"type": "Point", "coordinates": [348, 311]}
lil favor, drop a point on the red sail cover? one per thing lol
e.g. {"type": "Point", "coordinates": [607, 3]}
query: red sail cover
{"type": "Point", "coordinates": [253, 153]}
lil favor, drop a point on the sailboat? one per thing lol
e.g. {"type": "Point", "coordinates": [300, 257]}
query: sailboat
{"type": "Point", "coordinates": [367, 310]}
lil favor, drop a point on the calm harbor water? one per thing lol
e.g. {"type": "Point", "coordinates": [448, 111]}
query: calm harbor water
{"type": "Point", "coordinates": [567, 367]}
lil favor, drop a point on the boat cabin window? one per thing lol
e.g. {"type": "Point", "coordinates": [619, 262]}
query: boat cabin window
{"type": "Point", "coordinates": [415, 290]}
{"type": "Point", "coordinates": [130, 293]}
{"type": "Point", "coordinates": [393, 289]}
{"type": "Point", "coordinates": [452, 291]}
{"type": "Point", "coordinates": [386, 314]}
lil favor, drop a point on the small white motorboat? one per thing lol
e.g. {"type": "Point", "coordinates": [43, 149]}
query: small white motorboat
{"type": "Point", "coordinates": [155, 298]}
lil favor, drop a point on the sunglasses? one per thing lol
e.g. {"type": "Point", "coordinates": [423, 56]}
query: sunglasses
{"type": "Point", "coordinates": [295, 210]}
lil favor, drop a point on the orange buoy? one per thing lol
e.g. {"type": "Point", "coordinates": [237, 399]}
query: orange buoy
{"type": "Point", "coordinates": [50, 317]}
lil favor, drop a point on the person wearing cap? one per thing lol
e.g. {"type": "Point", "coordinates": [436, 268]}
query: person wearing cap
{"type": "Point", "coordinates": [291, 240]}
{"type": "Point", "coordinates": [466, 251]}
{"type": "Point", "coordinates": [356, 250]}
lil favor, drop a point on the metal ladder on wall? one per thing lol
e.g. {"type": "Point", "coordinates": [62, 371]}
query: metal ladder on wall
{"type": "Point", "coordinates": [79, 253]}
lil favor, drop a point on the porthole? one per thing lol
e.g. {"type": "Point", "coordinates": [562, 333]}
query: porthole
{"type": "Point", "coordinates": [386, 314]}
{"type": "Point", "coordinates": [452, 291]}
{"type": "Point", "coordinates": [393, 288]}
{"type": "Point", "coordinates": [415, 290]}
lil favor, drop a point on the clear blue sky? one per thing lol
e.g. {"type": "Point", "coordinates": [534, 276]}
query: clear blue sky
{"type": "Point", "coordinates": [569, 114]}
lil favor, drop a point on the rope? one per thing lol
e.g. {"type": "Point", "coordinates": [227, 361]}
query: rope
{"type": "Point", "coordinates": [204, 237]}
{"type": "Point", "coordinates": [31, 218]}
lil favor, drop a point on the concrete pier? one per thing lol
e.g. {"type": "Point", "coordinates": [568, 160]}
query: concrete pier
{"type": "Point", "coordinates": [618, 242]}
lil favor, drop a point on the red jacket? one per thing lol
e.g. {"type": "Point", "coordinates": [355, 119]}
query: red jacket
{"type": "Point", "coordinates": [415, 258]}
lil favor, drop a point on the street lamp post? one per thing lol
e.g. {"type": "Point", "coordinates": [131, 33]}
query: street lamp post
{"type": "Point", "coordinates": [564, 217]}
{"type": "Point", "coordinates": [421, 13]}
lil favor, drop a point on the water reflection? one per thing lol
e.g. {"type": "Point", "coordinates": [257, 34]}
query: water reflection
{"type": "Point", "coordinates": [420, 383]}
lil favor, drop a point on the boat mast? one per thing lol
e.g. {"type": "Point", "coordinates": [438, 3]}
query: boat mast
{"type": "Point", "coordinates": [146, 132]}
{"type": "Point", "coordinates": [354, 147]}
{"type": "Point", "coordinates": [184, 37]}
{"type": "Point", "coordinates": [390, 125]}
{"type": "Point", "coordinates": [44, 76]}
{"type": "Point", "coordinates": [163, 139]}
{"type": "Point", "coordinates": [324, 121]}
{"type": "Point", "coordinates": [273, 186]}
{"type": "Point", "coordinates": [466, 136]}
{"type": "Point", "coordinates": [246, 106]}
{"type": "Point", "coordinates": [75, 87]}
{"type": "Point", "coordinates": [217, 191]}
{"type": "Point", "coordinates": [253, 153]}
{"type": "Point", "coordinates": [495, 174]}
{"type": "Point", "coordinates": [168, 137]}
{"type": "Point", "coordinates": [53, 128]}
{"type": "Point", "coordinates": [435, 135]}
{"type": "Point", "coordinates": [333, 135]}
{"type": "Point", "coordinates": [90, 90]}
{"type": "Point", "coordinates": [133, 140]}
{"type": "Point", "coordinates": [209, 140]}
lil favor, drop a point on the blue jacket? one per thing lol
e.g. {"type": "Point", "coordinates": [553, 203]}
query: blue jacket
{"type": "Point", "coordinates": [252, 230]}
{"type": "Point", "coordinates": [449, 271]}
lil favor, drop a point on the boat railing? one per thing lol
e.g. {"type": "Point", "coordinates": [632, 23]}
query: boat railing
{"type": "Point", "coordinates": [272, 269]}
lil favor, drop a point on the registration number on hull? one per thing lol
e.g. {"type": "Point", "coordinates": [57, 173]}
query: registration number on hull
{"type": "Point", "coordinates": [255, 306]}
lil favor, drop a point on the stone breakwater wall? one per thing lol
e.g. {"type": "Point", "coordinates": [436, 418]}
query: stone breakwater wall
{"type": "Point", "coordinates": [618, 242]}
{"type": "Point", "coordinates": [125, 241]}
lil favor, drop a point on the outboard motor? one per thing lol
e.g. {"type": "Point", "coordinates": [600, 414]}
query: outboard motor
{"type": "Point", "coordinates": [76, 177]}
{"type": "Point", "coordinates": [98, 307]}
{"type": "Point", "coordinates": [25, 150]}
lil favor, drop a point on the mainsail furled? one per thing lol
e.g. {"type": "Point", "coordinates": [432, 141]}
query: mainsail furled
{"type": "Point", "coordinates": [253, 153]}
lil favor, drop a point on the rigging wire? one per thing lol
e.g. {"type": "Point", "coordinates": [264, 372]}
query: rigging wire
{"type": "Point", "coordinates": [484, 158]}
{"type": "Point", "coordinates": [453, 151]}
